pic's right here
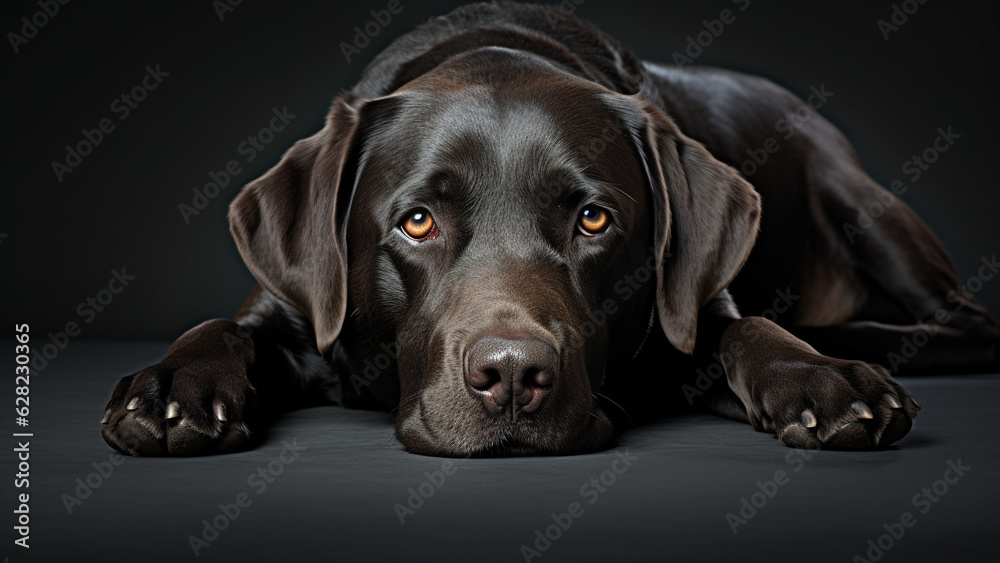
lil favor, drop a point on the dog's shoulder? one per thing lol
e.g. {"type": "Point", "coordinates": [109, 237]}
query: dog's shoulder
{"type": "Point", "coordinates": [730, 111]}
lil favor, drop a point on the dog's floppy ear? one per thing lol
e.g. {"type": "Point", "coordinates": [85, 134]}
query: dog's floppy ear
{"type": "Point", "coordinates": [286, 223]}
{"type": "Point", "coordinates": [706, 220]}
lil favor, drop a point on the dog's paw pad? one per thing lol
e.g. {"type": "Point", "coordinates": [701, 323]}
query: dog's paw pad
{"type": "Point", "coordinates": [796, 435]}
{"type": "Point", "coordinates": [849, 436]}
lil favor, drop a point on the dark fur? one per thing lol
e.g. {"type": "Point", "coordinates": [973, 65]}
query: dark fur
{"type": "Point", "coordinates": [505, 120]}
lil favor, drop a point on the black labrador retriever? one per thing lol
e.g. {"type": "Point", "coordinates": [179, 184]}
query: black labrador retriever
{"type": "Point", "coordinates": [510, 212]}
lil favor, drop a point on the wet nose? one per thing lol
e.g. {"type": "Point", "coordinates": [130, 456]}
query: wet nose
{"type": "Point", "coordinates": [511, 376]}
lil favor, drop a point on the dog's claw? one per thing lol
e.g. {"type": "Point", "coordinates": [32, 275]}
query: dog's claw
{"type": "Point", "coordinates": [915, 403]}
{"type": "Point", "coordinates": [861, 410]}
{"type": "Point", "coordinates": [106, 417]}
{"type": "Point", "coordinates": [133, 404]}
{"type": "Point", "coordinates": [808, 418]}
{"type": "Point", "coordinates": [220, 411]}
{"type": "Point", "coordinates": [897, 427]}
{"type": "Point", "coordinates": [173, 410]}
{"type": "Point", "coordinates": [893, 402]}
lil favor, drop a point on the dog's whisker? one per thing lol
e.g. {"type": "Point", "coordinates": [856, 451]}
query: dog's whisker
{"type": "Point", "coordinates": [389, 439]}
{"type": "Point", "coordinates": [612, 401]}
{"type": "Point", "coordinates": [404, 401]}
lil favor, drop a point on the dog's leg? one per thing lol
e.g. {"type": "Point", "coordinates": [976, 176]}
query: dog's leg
{"type": "Point", "coordinates": [217, 383]}
{"type": "Point", "coordinates": [929, 348]}
{"type": "Point", "coordinates": [780, 384]}
{"type": "Point", "coordinates": [915, 314]}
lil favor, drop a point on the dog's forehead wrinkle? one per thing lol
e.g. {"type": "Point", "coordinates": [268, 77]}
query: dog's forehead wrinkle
{"type": "Point", "coordinates": [479, 111]}
{"type": "Point", "coordinates": [489, 174]}
{"type": "Point", "coordinates": [500, 155]}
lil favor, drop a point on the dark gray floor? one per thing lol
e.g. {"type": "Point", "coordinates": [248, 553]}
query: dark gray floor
{"type": "Point", "coordinates": [335, 501]}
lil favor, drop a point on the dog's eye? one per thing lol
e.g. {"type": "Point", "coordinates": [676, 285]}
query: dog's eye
{"type": "Point", "coordinates": [420, 226]}
{"type": "Point", "coordinates": [593, 220]}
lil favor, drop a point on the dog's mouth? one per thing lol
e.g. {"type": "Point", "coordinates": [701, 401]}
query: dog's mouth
{"type": "Point", "coordinates": [471, 432]}
{"type": "Point", "coordinates": [595, 436]}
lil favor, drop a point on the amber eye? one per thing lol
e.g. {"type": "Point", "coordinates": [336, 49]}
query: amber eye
{"type": "Point", "coordinates": [593, 220]}
{"type": "Point", "coordinates": [420, 226]}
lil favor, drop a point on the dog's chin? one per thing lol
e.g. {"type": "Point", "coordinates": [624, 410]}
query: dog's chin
{"type": "Point", "coordinates": [594, 437]}
{"type": "Point", "coordinates": [504, 439]}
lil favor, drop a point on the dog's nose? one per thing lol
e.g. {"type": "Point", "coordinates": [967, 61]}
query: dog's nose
{"type": "Point", "coordinates": [511, 373]}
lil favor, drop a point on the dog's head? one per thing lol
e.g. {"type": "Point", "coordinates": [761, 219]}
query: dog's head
{"type": "Point", "coordinates": [504, 231]}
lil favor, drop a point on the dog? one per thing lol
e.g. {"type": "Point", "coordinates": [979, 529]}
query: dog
{"type": "Point", "coordinates": [510, 220]}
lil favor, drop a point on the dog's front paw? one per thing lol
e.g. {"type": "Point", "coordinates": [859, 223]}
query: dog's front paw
{"type": "Point", "coordinates": [822, 402]}
{"type": "Point", "coordinates": [180, 408]}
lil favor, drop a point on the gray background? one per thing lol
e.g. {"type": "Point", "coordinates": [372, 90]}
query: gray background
{"type": "Point", "coordinates": [119, 207]}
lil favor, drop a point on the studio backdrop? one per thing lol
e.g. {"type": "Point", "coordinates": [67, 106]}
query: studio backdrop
{"type": "Point", "coordinates": [131, 127]}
